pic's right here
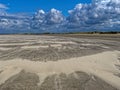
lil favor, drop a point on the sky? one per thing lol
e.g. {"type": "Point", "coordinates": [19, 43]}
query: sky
{"type": "Point", "coordinates": [30, 6]}
{"type": "Point", "coordinates": [59, 16]}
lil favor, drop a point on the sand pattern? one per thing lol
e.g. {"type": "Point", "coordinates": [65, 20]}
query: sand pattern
{"type": "Point", "coordinates": [58, 63]}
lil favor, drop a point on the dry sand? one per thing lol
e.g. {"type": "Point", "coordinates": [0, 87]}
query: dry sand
{"type": "Point", "coordinates": [102, 65]}
{"type": "Point", "coordinates": [38, 62]}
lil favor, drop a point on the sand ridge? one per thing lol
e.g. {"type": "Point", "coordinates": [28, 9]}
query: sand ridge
{"type": "Point", "coordinates": [101, 65]}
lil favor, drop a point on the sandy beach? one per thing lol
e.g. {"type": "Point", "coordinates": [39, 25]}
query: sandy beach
{"type": "Point", "coordinates": [58, 63]}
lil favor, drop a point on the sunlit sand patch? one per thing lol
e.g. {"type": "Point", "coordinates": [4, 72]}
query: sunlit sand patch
{"type": "Point", "coordinates": [4, 49]}
{"type": "Point", "coordinates": [56, 45]}
{"type": "Point", "coordinates": [99, 45]}
{"type": "Point", "coordinates": [65, 42]}
{"type": "Point", "coordinates": [42, 46]}
{"type": "Point", "coordinates": [34, 47]}
{"type": "Point", "coordinates": [105, 47]}
{"type": "Point", "coordinates": [86, 44]}
{"type": "Point", "coordinates": [12, 44]}
{"type": "Point", "coordinates": [55, 42]}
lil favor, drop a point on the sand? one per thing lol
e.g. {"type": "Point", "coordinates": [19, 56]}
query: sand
{"type": "Point", "coordinates": [33, 47]}
{"type": "Point", "coordinates": [39, 62]}
{"type": "Point", "coordinates": [4, 49]}
{"type": "Point", "coordinates": [102, 65]}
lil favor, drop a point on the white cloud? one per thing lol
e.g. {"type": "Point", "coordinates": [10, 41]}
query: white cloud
{"type": "Point", "coordinates": [3, 6]}
{"type": "Point", "coordinates": [98, 13]}
{"type": "Point", "coordinates": [44, 20]}
{"type": "Point", "coordinates": [11, 22]}
{"type": "Point", "coordinates": [54, 17]}
{"type": "Point", "coordinates": [3, 9]}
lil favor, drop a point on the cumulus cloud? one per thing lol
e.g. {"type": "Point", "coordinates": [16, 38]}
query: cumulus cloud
{"type": "Point", "coordinates": [38, 19]}
{"type": "Point", "coordinates": [54, 17]}
{"type": "Point", "coordinates": [47, 20]}
{"type": "Point", "coordinates": [2, 9]}
{"type": "Point", "coordinates": [100, 14]}
{"type": "Point", "coordinates": [10, 23]}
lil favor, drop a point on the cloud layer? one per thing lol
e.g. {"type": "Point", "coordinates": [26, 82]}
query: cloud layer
{"type": "Point", "coordinates": [2, 9]}
{"type": "Point", "coordinates": [98, 15]}
{"type": "Point", "coordinates": [2, 6]}
{"type": "Point", "coordinates": [51, 18]}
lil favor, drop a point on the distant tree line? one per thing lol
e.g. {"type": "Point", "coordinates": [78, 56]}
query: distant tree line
{"type": "Point", "coordinates": [95, 32]}
{"type": "Point", "coordinates": [49, 33]}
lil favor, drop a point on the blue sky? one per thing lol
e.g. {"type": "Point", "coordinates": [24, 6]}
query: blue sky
{"type": "Point", "coordinates": [30, 6]}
